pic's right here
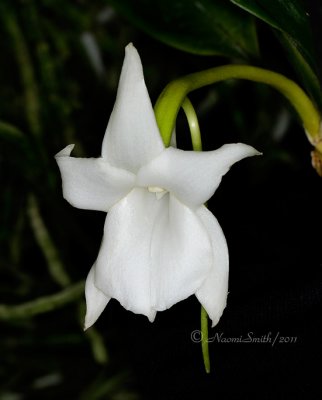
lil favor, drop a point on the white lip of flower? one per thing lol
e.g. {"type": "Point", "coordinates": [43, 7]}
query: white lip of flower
{"type": "Point", "coordinates": [160, 243]}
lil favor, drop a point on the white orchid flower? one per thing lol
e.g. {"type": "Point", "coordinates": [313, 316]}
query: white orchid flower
{"type": "Point", "coordinates": [160, 244]}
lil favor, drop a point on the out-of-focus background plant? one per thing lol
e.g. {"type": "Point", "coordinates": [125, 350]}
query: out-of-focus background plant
{"type": "Point", "coordinates": [60, 63]}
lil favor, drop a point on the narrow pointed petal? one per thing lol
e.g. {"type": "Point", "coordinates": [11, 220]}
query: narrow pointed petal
{"type": "Point", "coordinates": [132, 137]}
{"type": "Point", "coordinates": [96, 300]}
{"type": "Point", "coordinates": [192, 176]}
{"type": "Point", "coordinates": [213, 292]}
{"type": "Point", "coordinates": [91, 183]}
{"type": "Point", "coordinates": [154, 253]}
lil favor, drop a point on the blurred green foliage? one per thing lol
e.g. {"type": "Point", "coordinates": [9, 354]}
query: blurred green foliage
{"type": "Point", "coordinates": [47, 79]}
{"type": "Point", "coordinates": [291, 23]}
{"type": "Point", "coordinates": [59, 71]}
{"type": "Point", "coordinates": [219, 27]}
{"type": "Point", "coordinates": [202, 27]}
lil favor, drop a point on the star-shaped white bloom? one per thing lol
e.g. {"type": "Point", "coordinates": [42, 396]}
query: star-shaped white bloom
{"type": "Point", "coordinates": [160, 244]}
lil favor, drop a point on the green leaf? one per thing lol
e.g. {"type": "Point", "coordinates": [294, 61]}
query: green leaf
{"type": "Point", "coordinates": [205, 27]}
{"type": "Point", "coordinates": [306, 74]}
{"type": "Point", "coordinates": [291, 22]}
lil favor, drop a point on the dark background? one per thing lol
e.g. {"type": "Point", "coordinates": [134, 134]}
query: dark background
{"type": "Point", "coordinates": [269, 209]}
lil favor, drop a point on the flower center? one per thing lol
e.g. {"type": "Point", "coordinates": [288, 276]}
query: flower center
{"type": "Point", "coordinates": [159, 192]}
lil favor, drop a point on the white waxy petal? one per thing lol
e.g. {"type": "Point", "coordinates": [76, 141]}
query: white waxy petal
{"type": "Point", "coordinates": [123, 265]}
{"type": "Point", "coordinates": [96, 300]}
{"type": "Point", "coordinates": [132, 137]}
{"type": "Point", "coordinates": [213, 292]}
{"type": "Point", "coordinates": [181, 254]}
{"type": "Point", "coordinates": [192, 176]}
{"type": "Point", "coordinates": [154, 253]}
{"type": "Point", "coordinates": [91, 183]}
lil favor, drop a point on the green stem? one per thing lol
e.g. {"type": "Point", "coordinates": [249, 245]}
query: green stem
{"type": "Point", "coordinates": [193, 124]}
{"type": "Point", "coordinates": [54, 263]}
{"type": "Point", "coordinates": [11, 131]}
{"type": "Point", "coordinates": [42, 304]}
{"type": "Point", "coordinates": [197, 146]}
{"type": "Point", "coordinates": [172, 97]}
{"type": "Point", "coordinates": [95, 339]}
{"type": "Point", "coordinates": [59, 275]}
{"type": "Point", "coordinates": [204, 339]}
{"type": "Point", "coordinates": [25, 66]}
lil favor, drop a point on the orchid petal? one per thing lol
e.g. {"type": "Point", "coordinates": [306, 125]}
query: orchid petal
{"type": "Point", "coordinates": [213, 292]}
{"type": "Point", "coordinates": [182, 254]}
{"type": "Point", "coordinates": [192, 176]}
{"type": "Point", "coordinates": [96, 300]}
{"type": "Point", "coordinates": [154, 253]}
{"type": "Point", "coordinates": [91, 183]}
{"type": "Point", "coordinates": [132, 136]}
